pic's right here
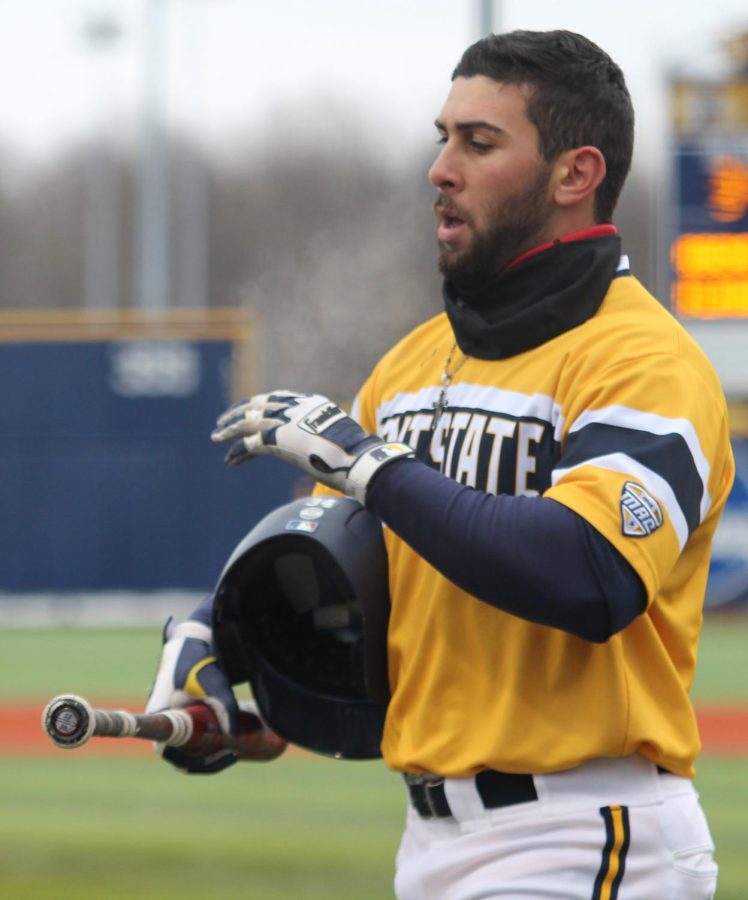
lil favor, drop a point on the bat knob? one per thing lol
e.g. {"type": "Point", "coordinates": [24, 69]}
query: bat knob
{"type": "Point", "coordinates": [68, 720]}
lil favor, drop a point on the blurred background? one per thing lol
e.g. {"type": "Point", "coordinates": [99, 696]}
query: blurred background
{"type": "Point", "coordinates": [200, 198]}
{"type": "Point", "coordinates": [203, 198]}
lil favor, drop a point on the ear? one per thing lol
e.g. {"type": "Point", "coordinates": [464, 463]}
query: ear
{"type": "Point", "coordinates": [579, 174]}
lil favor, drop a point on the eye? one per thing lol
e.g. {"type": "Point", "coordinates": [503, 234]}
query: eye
{"type": "Point", "coordinates": [480, 146]}
{"type": "Point", "coordinates": [442, 139]}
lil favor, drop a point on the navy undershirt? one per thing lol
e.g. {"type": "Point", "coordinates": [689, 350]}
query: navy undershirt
{"type": "Point", "coordinates": [529, 556]}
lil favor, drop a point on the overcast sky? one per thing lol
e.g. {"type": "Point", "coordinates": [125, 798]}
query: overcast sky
{"type": "Point", "coordinates": [234, 69]}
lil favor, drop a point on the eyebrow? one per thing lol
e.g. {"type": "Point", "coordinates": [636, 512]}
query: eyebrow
{"type": "Point", "coordinates": [474, 125]}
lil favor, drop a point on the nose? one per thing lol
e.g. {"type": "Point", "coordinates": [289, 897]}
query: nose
{"type": "Point", "coordinates": [444, 174]}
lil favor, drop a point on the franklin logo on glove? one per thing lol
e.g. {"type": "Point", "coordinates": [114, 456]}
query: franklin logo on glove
{"type": "Point", "coordinates": [322, 418]}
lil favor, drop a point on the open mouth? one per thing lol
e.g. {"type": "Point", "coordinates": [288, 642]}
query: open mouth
{"type": "Point", "coordinates": [449, 226]}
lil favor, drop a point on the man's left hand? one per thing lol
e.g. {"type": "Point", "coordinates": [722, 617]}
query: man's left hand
{"type": "Point", "coordinates": [310, 432]}
{"type": "Point", "coordinates": [189, 672]}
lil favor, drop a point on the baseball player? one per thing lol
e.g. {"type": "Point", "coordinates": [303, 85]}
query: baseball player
{"type": "Point", "coordinates": [550, 457]}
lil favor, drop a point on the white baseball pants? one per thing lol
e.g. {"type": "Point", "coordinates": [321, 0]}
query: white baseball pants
{"type": "Point", "coordinates": [607, 830]}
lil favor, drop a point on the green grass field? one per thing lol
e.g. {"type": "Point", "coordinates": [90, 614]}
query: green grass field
{"type": "Point", "coordinates": [78, 827]}
{"type": "Point", "coordinates": [84, 826]}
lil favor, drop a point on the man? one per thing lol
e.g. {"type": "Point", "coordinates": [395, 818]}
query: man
{"type": "Point", "coordinates": [550, 457]}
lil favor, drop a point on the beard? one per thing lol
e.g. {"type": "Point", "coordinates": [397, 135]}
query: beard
{"type": "Point", "coordinates": [515, 226]}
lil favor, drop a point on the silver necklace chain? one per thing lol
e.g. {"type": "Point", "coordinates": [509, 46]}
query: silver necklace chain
{"type": "Point", "coordinates": [446, 380]}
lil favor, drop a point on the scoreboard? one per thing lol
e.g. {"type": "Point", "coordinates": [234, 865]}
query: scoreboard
{"type": "Point", "coordinates": [709, 247]}
{"type": "Point", "coordinates": [708, 258]}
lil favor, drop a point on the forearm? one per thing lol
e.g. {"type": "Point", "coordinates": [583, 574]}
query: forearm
{"type": "Point", "coordinates": [529, 556]}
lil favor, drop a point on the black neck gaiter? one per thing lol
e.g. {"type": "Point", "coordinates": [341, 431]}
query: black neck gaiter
{"type": "Point", "coordinates": [535, 300]}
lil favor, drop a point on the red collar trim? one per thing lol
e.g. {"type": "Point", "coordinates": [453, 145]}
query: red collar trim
{"type": "Point", "coordinates": [594, 231]}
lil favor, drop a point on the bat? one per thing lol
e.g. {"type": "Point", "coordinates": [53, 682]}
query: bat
{"type": "Point", "coordinates": [70, 721]}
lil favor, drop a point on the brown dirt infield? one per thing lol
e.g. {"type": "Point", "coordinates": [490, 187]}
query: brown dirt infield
{"type": "Point", "coordinates": [724, 731]}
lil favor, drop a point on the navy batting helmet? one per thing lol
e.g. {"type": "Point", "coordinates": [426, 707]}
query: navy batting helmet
{"type": "Point", "coordinates": [301, 612]}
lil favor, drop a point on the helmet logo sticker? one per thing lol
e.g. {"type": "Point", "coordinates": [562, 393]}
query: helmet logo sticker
{"type": "Point", "coordinates": [641, 514]}
{"type": "Point", "coordinates": [311, 512]}
{"type": "Point", "coordinates": [302, 525]}
{"type": "Point", "coordinates": [324, 502]}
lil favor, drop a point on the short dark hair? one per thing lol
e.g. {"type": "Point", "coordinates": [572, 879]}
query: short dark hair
{"type": "Point", "coordinates": [578, 97]}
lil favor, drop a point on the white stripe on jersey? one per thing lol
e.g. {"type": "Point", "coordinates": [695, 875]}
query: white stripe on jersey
{"type": "Point", "coordinates": [619, 462]}
{"type": "Point", "coordinates": [479, 398]}
{"type": "Point", "coordinates": [638, 420]}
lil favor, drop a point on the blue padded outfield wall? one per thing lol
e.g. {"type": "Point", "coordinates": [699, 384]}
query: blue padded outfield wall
{"type": "Point", "coordinates": [108, 477]}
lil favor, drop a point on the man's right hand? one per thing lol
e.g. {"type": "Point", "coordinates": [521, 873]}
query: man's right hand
{"type": "Point", "coordinates": [189, 673]}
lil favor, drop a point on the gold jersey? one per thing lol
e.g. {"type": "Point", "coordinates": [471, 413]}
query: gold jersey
{"type": "Point", "coordinates": [622, 419]}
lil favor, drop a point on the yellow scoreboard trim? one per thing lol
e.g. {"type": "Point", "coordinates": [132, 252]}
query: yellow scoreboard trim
{"type": "Point", "coordinates": [237, 326]}
{"type": "Point", "coordinates": [62, 325]}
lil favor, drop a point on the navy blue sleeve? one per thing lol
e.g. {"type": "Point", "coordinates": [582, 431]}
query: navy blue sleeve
{"type": "Point", "coordinates": [529, 556]}
{"type": "Point", "coordinates": [204, 611]}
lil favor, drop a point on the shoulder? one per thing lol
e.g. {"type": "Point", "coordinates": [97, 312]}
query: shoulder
{"type": "Point", "coordinates": [635, 362]}
{"type": "Point", "coordinates": [632, 328]}
{"type": "Point", "coordinates": [630, 307]}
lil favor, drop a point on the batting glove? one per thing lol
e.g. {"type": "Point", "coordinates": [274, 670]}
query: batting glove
{"type": "Point", "coordinates": [310, 432]}
{"type": "Point", "coordinates": [189, 673]}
